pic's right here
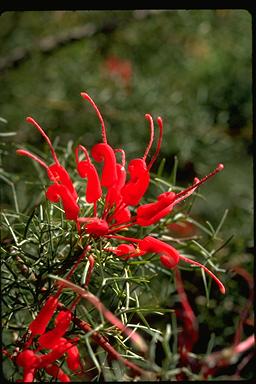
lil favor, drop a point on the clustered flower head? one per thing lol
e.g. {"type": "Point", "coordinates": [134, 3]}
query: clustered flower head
{"type": "Point", "coordinates": [122, 195]}
{"type": "Point", "coordinates": [32, 360]}
{"type": "Point", "coordinates": [115, 195]}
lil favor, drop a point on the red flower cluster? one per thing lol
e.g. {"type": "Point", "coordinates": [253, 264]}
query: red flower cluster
{"type": "Point", "coordinates": [62, 347]}
{"type": "Point", "coordinates": [54, 340]}
{"type": "Point", "coordinates": [122, 197]}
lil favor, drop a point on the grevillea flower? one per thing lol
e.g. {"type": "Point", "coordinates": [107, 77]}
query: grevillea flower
{"type": "Point", "coordinates": [115, 194]}
{"type": "Point", "coordinates": [121, 195]}
{"type": "Point", "coordinates": [31, 360]}
{"type": "Point", "coordinates": [62, 187]}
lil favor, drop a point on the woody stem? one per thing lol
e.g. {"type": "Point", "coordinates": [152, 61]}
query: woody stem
{"type": "Point", "coordinates": [101, 340]}
{"type": "Point", "coordinates": [109, 316]}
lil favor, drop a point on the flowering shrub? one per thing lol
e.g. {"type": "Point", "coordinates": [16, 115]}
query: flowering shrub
{"type": "Point", "coordinates": [112, 205]}
{"type": "Point", "coordinates": [120, 197]}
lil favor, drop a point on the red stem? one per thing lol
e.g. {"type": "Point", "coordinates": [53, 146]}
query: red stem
{"type": "Point", "coordinates": [81, 257]}
{"type": "Point", "coordinates": [24, 152]}
{"type": "Point", "coordinates": [94, 300]}
{"type": "Point", "coordinates": [103, 129]}
{"type": "Point", "coordinates": [100, 340]}
{"type": "Point", "coordinates": [244, 345]}
{"type": "Point", "coordinates": [219, 168]}
{"type": "Point", "coordinates": [219, 283]}
{"type": "Point", "coordinates": [160, 125]}
{"type": "Point", "coordinates": [132, 239]}
{"type": "Point", "coordinates": [123, 155]}
{"type": "Point", "coordinates": [150, 119]}
{"type": "Point", "coordinates": [129, 224]}
{"type": "Point", "coordinates": [34, 157]}
{"type": "Point", "coordinates": [182, 295]}
{"type": "Point", "coordinates": [85, 152]}
{"type": "Point", "coordinates": [40, 129]}
{"type": "Point", "coordinates": [245, 310]}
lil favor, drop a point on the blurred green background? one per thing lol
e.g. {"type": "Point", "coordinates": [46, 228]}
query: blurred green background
{"type": "Point", "coordinates": [192, 67]}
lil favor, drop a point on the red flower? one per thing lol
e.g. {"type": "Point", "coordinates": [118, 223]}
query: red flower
{"type": "Point", "coordinates": [53, 339]}
{"type": "Point", "coordinates": [119, 68]}
{"type": "Point", "coordinates": [38, 326]}
{"type": "Point", "coordinates": [63, 187]}
{"type": "Point", "coordinates": [121, 197]}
